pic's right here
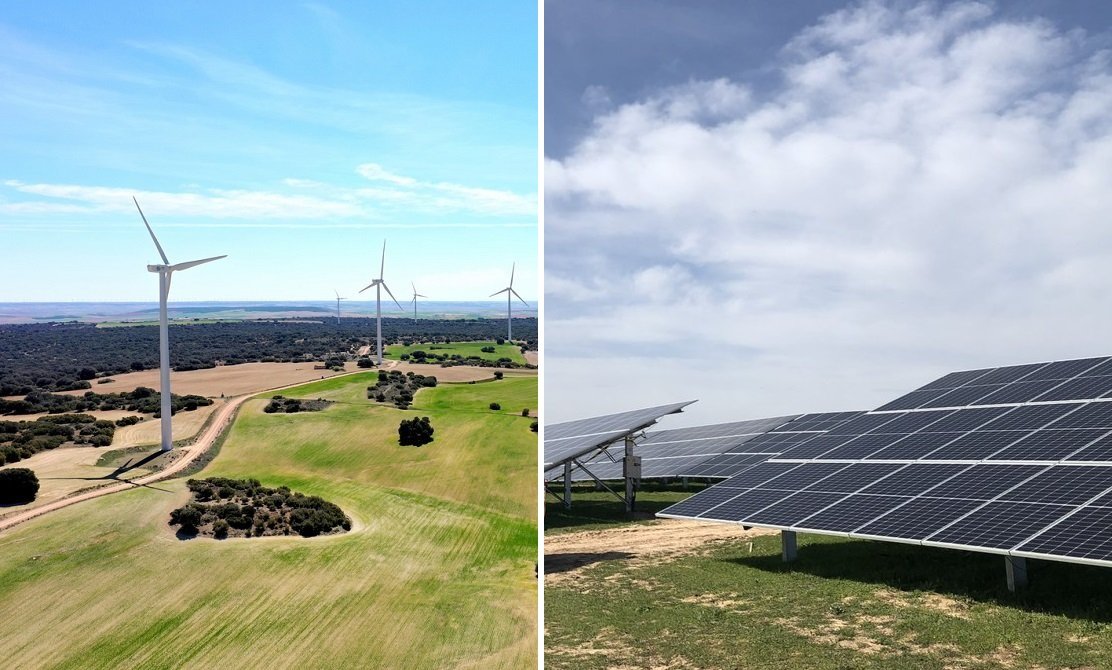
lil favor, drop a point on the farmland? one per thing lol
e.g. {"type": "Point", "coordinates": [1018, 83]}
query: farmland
{"type": "Point", "coordinates": [438, 567]}
{"type": "Point", "coordinates": [675, 594]}
{"type": "Point", "coordinates": [464, 349]}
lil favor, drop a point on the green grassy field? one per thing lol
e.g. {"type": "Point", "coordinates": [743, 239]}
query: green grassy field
{"type": "Point", "coordinates": [464, 349]}
{"type": "Point", "coordinates": [843, 604]}
{"type": "Point", "coordinates": [437, 572]}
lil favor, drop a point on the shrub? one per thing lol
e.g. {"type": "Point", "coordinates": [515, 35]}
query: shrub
{"type": "Point", "coordinates": [220, 529]}
{"type": "Point", "coordinates": [495, 406]}
{"type": "Point", "coordinates": [18, 485]}
{"type": "Point", "coordinates": [415, 432]}
{"type": "Point", "coordinates": [365, 363]}
{"type": "Point", "coordinates": [497, 374]}
{"type": "Point", "coordinates": [533, 426]}
{"type": "Point", "coordinates": [525, 412]}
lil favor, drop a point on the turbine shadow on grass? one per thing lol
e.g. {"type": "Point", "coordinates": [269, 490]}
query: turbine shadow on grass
{"type": "Point", "coordinates": [1066, 589]}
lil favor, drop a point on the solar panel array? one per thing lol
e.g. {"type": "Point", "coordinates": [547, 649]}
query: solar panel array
{"type": "Point", "coordinates": [670, 453]}
{"type": "Point", "coordinates": [573, 439]}
{"type": "Point", "coordinates": [1014, 460]}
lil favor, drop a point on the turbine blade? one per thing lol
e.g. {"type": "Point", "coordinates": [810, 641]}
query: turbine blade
{"type": "Point", "coordinates": [418, 295]}
{"type": "Point", "coordinates": [512, 269]}
{"type": "Point", "coordinates": [382, 268]}
{"type": "Point", "coordinates": [497, 292]}
{"type": "Point", "coordinates": [156, 244]}
{"type": "Point", "coordinates": [189, 264]}
{"type": "Point", "coordinates": [392, 297]}
{"type": "Point", "coordinates": [519, 298]}
{"type": "Point", "coordinates": [371, 285]}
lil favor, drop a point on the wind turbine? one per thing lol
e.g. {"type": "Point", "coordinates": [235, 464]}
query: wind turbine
{"type": "Point", "coordinates": [380, 284]}
{"type": "Point", "coordinates": [338, 299]}
{"type": "Point", "coordinates": [415, 296]}
{"type": "Point", "coordinates": [510, 292]}
{"type": "Point", "coordinates": [164, 272]}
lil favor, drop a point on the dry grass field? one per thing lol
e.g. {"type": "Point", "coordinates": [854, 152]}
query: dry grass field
{"type": "Point", "coordinates": [438, 571]}
{"type": "Point", "coordinates": [229, 380]}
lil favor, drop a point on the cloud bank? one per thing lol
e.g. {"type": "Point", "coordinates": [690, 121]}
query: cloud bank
{"type": "Point", "coordinates": [924, 189]}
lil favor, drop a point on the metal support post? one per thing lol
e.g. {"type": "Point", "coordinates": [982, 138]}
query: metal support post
{"type": "Point", "coordinates": [567, 484]}
{"type": "Point", "coordinates": [787, 544]}
{"type": "Point", "coordinates": [630, 489]}
{"type": "Point", "coordinates": [683, 483]}
{"type": "Point", "coordinates": [1016, 569]}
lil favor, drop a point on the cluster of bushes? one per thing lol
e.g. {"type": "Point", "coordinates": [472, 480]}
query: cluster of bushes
{"type": "Point", "coordinates": [398, 388]}
{"type": "Point", "coordinates": [450, 360]}
{"type": "Point", "coordinates": [67, 356]}
{"type": "Point", "coordinates": [415, 432]}
{"type": "Point", "coordinates": [143, 400]}
{"type": "Point", "coordinates": [292, 405]}
{"type": "Point", "coordinates": [18, 486]}
{"type": "Point", "coordinates": [128, 420]}
{"type": "Point", "coordinates": [23, 439]}
{"type": "Point", "coordinates": [223, 507]}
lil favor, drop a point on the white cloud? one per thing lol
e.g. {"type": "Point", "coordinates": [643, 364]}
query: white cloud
{"type": "Point", "coordinates": [925, 189]}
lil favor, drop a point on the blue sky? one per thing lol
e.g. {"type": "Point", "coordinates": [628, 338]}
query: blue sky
{"type": "Point", "coordinates": [813, 206]}
{"type": "Point", "coordinates": [293, 137]}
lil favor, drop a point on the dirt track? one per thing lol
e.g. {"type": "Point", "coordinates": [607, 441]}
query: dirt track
{"type": "Point", "coordinates": [567, 553]}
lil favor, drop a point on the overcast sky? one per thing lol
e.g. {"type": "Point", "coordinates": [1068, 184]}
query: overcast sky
{"type": "Point", "coordinates": [292, 136]}
{"type": "Point", "coordinates": [795, 207]}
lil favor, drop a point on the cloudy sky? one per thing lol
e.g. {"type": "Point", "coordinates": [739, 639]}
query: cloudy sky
{"type": "Point", "coordinates": [293, 137]}
{"type": "Point", "coordinates": [819, 207]}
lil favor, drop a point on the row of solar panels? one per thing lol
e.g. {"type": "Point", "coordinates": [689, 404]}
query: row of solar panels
{"type": "Point", "coordinates": [1022, 479]}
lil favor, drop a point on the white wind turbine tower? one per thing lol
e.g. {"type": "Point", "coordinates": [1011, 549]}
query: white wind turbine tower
{"type": "Point", "coordinates": [415, 296]}
{"type": "Point", "coordinates": [510, 292]}
{"type": "Point", "coordinates": [164, 272]}
{"type": "Point", "coordinates": [338, 299]}
{"type": "Point", "coordinates": [380, 284]}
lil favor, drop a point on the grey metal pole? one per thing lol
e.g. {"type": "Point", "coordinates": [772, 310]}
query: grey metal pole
{"type": "Point", "coordinates": [630, 493]}
{"type": "Point", "coordinates": [509, 317]}
{"type": "Point", "coordinates": [1016, 569]}
{"type": "Point", "coordinates": [164, 359]}
{"type": "Point", "coordinates": [567, 484]}
{"type": "Point", "coordinates": [787, 545]}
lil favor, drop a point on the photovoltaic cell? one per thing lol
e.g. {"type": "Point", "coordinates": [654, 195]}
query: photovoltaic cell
{"type": "Point", "coordinates": [1063, 485]}
{"type": "Point", "coordinates": [1084, 534]}
{"type": "Point", "coordinates": [1049, 445]}
{"type": "Point", "coordinates": [1030, 417]}
{"type": "Point", "coordinates": [914, 479]}
{"type": "Point", "coordinates": [1065, 369]}
{"type": "Point", "coordinates": [918, 518]}
{"type": "Point", "coordinates": [975, 446]}
{"type": "Point", "coordinates": [913, 421]}
{"type": "Point", "coordinates": [803, 476]}
{"type": "Point", "coordinates": [965, 395]}
{"type": "Point", "coordinates": [1001, 525]}
{"type": "Point", "coordinates": [855, 477]}
{"type": "Point", "coordinates": [704, 501]}
{"type": "Point", "coordinates": [851, 513]}
{"type": "Point", "coordinates": [956, 379]}
{"type": "Point", "coordinates": [1079, 389]}
{"type": "Point", "coordinates": [914, 446]}
{"type": "Point", "coordinates": [1104, 368]}
{"type": "Point", "coordinates": [864, 424]}
{"type": "Point", "coordinates": [1009, 374]}
{"type": "Point", "coordinates": [984, 482]}
{"type": "Point", "coordinates": [914, 399]}
{"type": "Point", "coordinates": [1093, 415]}
{"type": "Point", "coordinates": [1101, 450]}
{"type": "Point", "coordinates": [862, 446]}
{"type": "Point", "coordinates": [758, 474]}
{"type": "Point", "coordinates": [745, 505]}
{"type": "Point", "coordinates": [793, 509]}
{"type": "Point", "coordinates": [1018, 392]}
{"type": "Point", "coordinates": [816, 446]}
{"type": "Point", "coordinates": [968, 419]}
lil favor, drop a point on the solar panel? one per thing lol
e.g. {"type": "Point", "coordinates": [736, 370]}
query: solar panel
{"type": "Point", "coordinates": [1000, 525]}
{"type": "Point", "coordinates": [1030, 475]}
{"type": "Point", "coordinates": [564, 441]}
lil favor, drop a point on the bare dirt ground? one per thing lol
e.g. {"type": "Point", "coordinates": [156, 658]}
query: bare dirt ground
{"type": "Point", "coordinates": [531, 357]}
{"type": "Point", "coordinates": [566, 554]}
{"type": "Point", "coordinates": [230, 380]}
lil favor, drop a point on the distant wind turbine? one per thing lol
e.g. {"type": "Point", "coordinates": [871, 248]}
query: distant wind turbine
{"type": "Point", "coordinates": [510, 292]}
{"type": "Point", "coordinates": [415, 296]}
{"type": "Point", "coordinates": [380, 284]}
{"type": "Point", "coordinates": [164, 271]}
{"type": "Point", "coordinates": [338, 299]}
